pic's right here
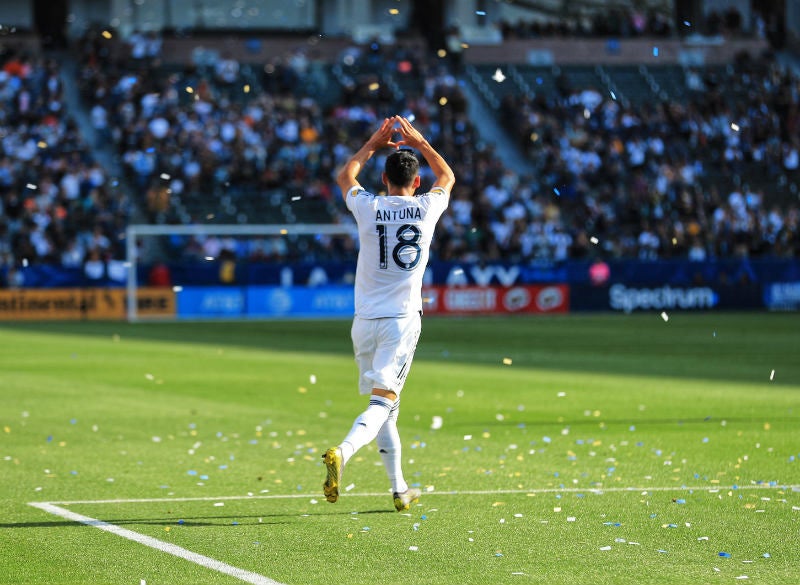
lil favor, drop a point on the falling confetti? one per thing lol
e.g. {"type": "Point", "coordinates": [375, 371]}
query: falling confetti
{"type": "Point", "coordinates": [734, 127]}
{"type": "Point", "coordinates": [655, 51]}
{"type": "Point", "coordinates": [664, 316]}
{"type": "Point", "coordinates": [506, 361]}
{"type": "Point", "coordinates": [771, 375]}
{"type": "Point", "coordinates": [436, 424]}
{"type": "Point", "coordinates": [498, 76]}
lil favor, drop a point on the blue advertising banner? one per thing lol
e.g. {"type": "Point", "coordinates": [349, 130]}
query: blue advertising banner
{"type": "Point", "coordinates": [206, 302]}
{"type": "Point", "coordinates": [320, 302]}
{"type": "Point", "coordinates": [235, 302]}
{"type": "Point", "coordinates": [782, 296]}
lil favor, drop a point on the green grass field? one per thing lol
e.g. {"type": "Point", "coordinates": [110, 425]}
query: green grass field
{"type": "Point", "coordinates": [578, 449]}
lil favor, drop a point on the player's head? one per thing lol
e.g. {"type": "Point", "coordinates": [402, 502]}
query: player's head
{"type": "Point", "coordinates": [401, 169]}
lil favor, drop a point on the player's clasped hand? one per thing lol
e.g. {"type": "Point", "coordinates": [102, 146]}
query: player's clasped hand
{"type": "Point", "coordinates": [382, 138]}
{"type": "Point", "coordinates": [411, 136]}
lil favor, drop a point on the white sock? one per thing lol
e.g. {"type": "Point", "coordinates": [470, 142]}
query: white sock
{"type": "Point", "coordinates": [388, 441]}
{"type": "Point", "coordinates": [366, 426]}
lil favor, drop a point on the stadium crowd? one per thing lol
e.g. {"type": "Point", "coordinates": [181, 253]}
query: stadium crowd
{"type": "Point", "coordinates": [56, 206]}
{"type": "Point", "coordinates": [646, 180]}
{"type": "Point", "coordinates": [605, 180]}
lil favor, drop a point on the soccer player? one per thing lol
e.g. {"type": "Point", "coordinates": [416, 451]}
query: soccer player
{"type": "Point", "coordinates": [395, 232]}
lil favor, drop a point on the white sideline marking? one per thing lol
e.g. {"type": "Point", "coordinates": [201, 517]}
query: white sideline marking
{"type": "Point", "coordinates": [567, 490]}
{"type": "Point", "coordinates": [160, 545]}
{"type": "Point", "coordinates": [256, 579]}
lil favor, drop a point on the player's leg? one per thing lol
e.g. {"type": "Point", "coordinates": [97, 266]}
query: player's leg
{"type": "Point", "coordinates": [368, 336]}
{"type": "Point", "coordinates": [365, 334]}
{"type": "Point", "coordinates": [388, 438]}
{"type": "Point", "coordinates": [390, 449]}
{"type": "Point", "coordinates": [365, 428]}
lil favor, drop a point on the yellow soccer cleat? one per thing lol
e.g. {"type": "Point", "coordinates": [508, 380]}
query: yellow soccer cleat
{"type": "Point", "coordinates": [333, 461]}
{"type": "Point", "coordinates": [403, 501]}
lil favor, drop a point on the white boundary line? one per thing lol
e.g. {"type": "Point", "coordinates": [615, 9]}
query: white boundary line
{"type": "Point", "coordinates": [256, 579]}
{"type": "Point", "coordinates": [564, 490]}
{"type": "Point", "coordinates": [160, 545]}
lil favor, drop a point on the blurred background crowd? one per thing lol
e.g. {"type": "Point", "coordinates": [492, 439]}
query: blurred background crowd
{"type": "Point", "coordinates": [218, 140]}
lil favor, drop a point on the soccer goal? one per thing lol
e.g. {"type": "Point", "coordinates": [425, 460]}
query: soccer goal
{"type": "Point", "coordinates": [220, 247]}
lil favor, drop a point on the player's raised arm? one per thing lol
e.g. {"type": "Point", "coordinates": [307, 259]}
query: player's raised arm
{"type": "Point", "coordinates": [381, 138]}
{"type": "Point", "coordinates": [412, 137]}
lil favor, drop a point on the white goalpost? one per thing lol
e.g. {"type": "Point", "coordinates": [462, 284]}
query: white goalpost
{"type": "Point", "coordinates": [136, 231]}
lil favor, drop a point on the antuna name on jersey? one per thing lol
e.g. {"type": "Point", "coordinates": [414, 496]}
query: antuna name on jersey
{"type": "Point", "coordinates": [398, 214]}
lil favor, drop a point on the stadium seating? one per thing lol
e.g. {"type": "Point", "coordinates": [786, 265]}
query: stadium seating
{"type": "Point", "coordinates": [636, 160]}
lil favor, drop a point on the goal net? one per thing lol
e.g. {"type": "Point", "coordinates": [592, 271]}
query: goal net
{"type": "Point", "coordinates": [241, 271]}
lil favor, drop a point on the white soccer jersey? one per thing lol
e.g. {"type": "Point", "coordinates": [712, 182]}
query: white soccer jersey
{"type": "Point", "coordinates": [395, 234]}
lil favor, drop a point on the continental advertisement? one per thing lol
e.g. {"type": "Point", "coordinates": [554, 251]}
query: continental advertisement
{"type": "Point", "coordinates": [75, 304]}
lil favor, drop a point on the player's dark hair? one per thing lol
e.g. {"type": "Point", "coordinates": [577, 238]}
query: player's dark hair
{"type": "Point", "coordinates": [402, 167]}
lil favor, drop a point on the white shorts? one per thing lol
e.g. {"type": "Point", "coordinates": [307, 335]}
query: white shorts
{"type": "Point", "coordinates": [384, 349]}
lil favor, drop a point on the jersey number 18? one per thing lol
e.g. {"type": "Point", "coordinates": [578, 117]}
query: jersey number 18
{"type": "Point", "coordinates": [407, 252]}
